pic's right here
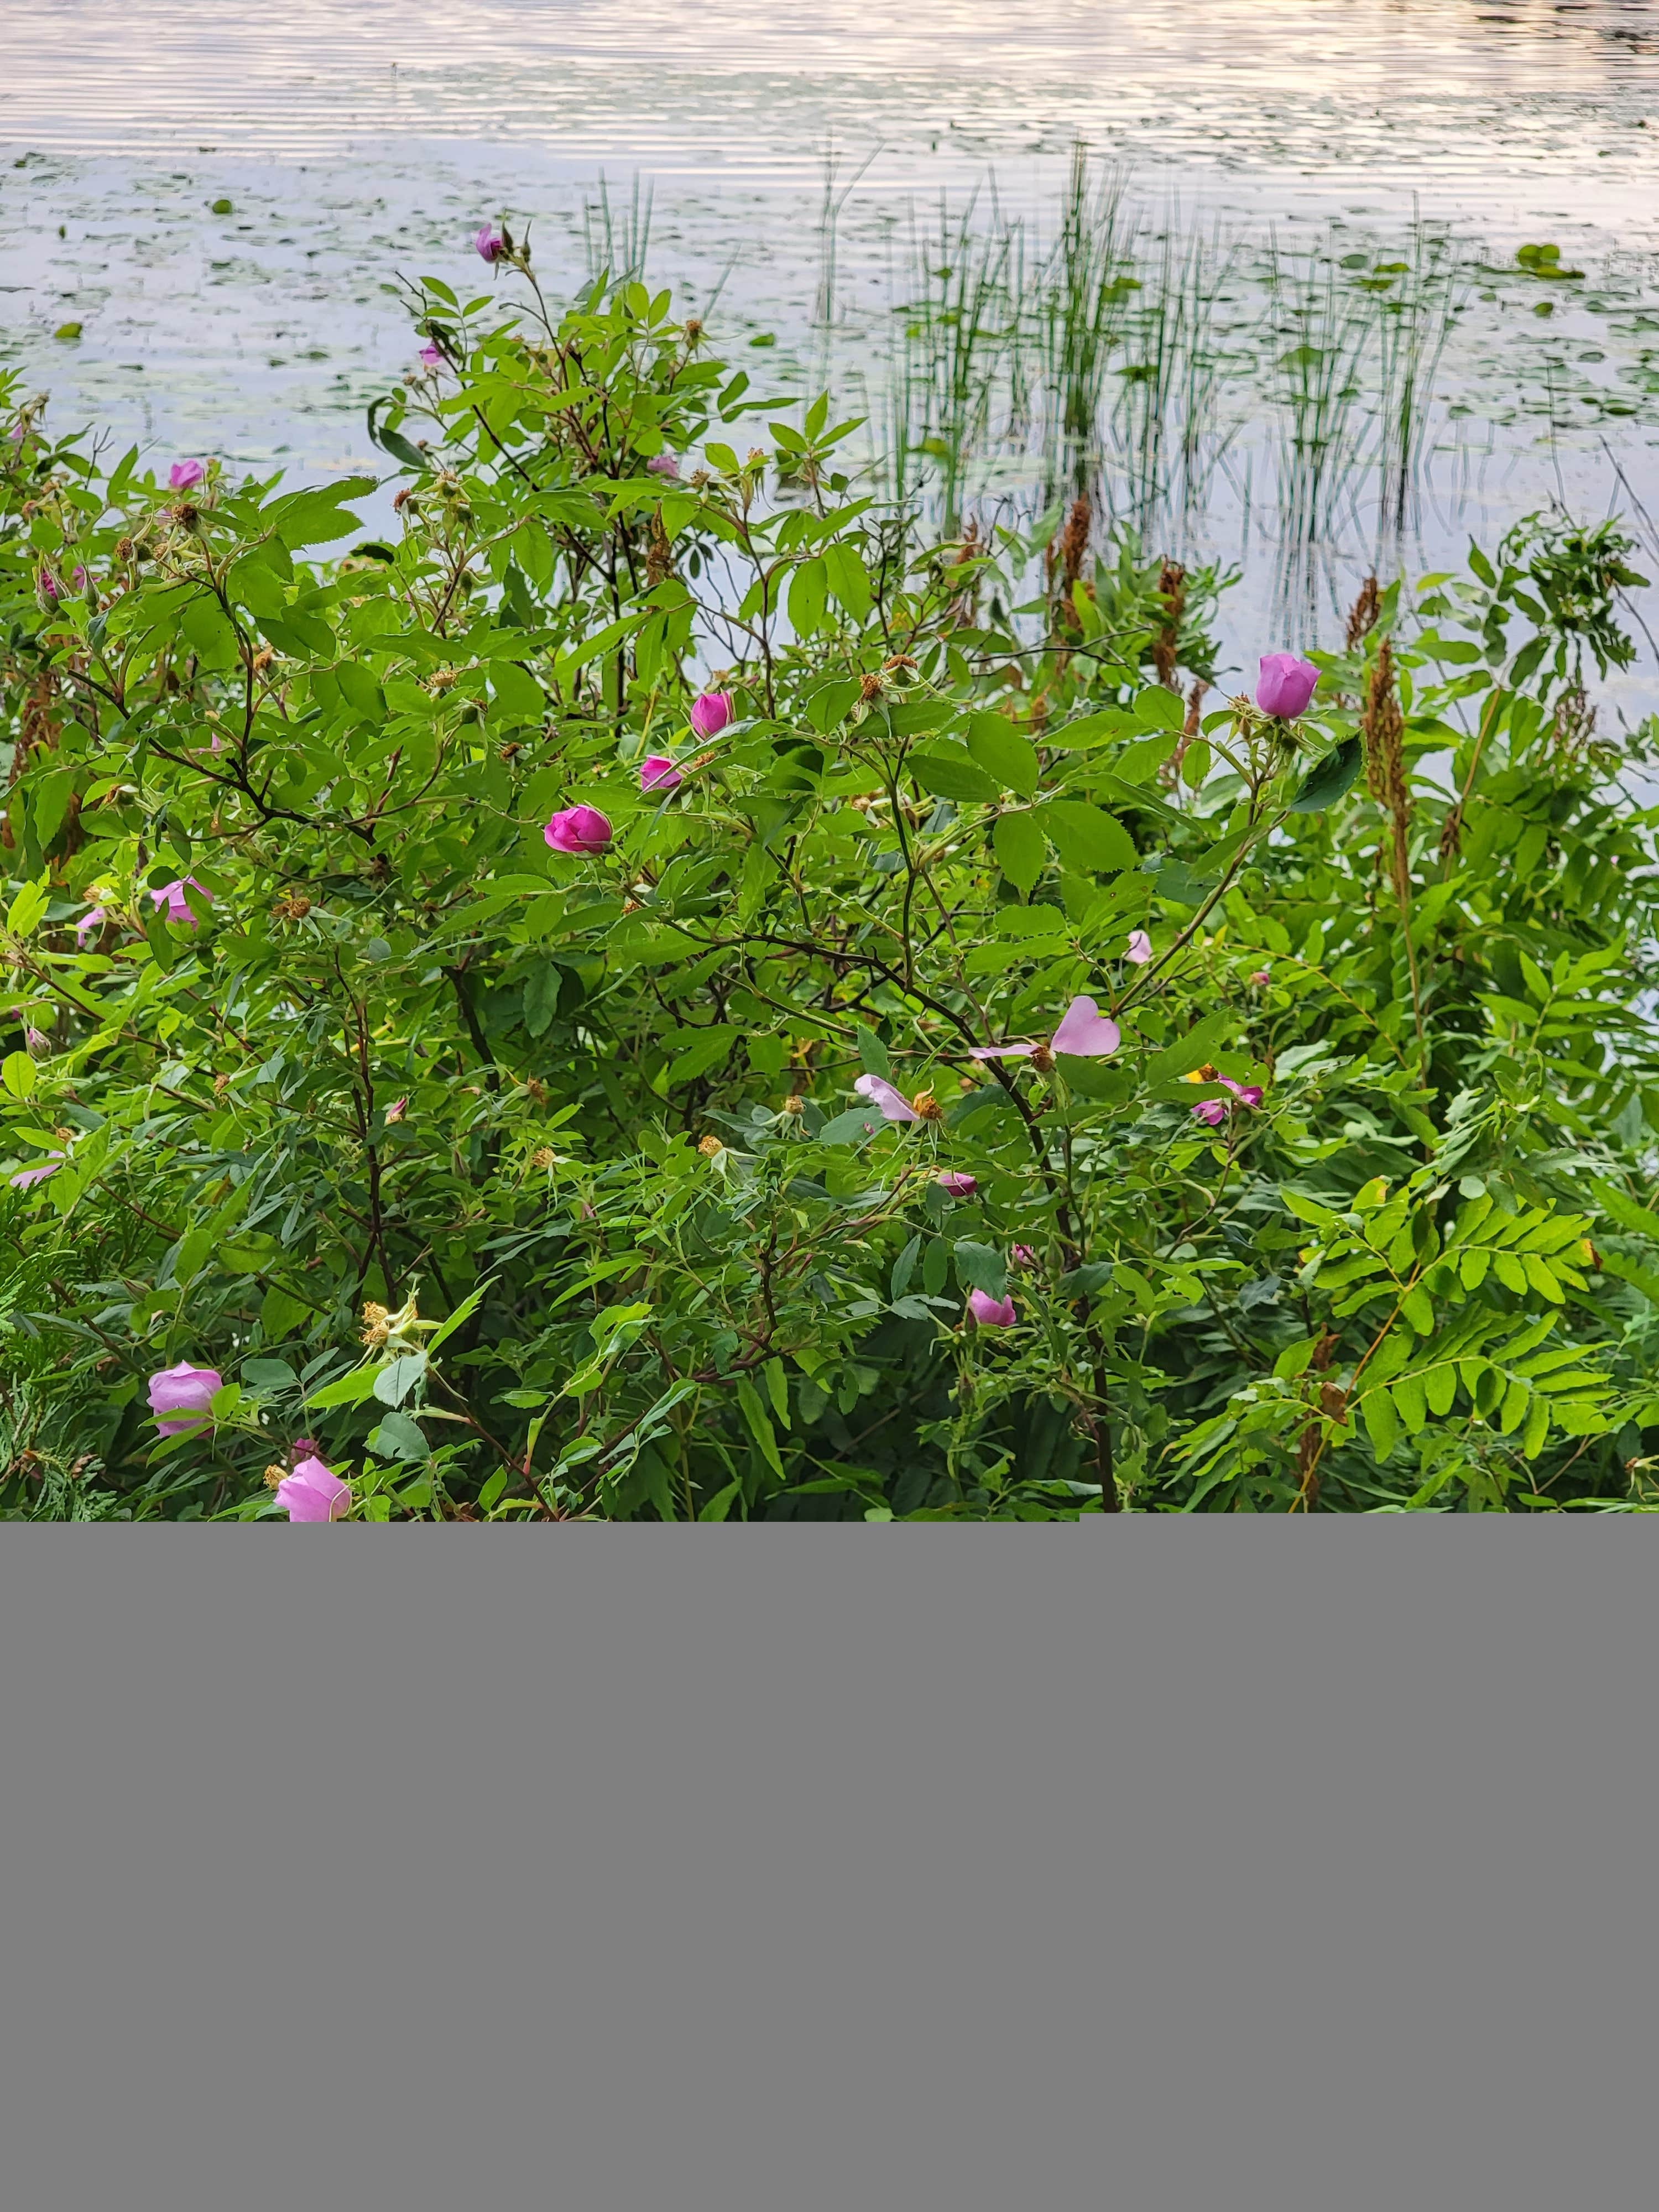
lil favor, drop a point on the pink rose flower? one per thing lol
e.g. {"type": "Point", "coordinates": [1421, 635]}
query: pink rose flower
{"type": "Point", "coordinates": [1285, 686]}
{"type": "Point", "coordinates": [1085, 1033]}
{"type": "Point", "coordinates": [314, 1493]}
{"type": "Point", "coordinates": [895, 1106]}
{"type": "Point", "coordinates": [664, 465]}
{"type": "Point", "coordinates": [578, 829]}
{"type": "Point", "coordinates": [182, 1390]}
{"type": "Point", "coordinates": [956, 1185]}
{"type": "Point", "coordinates": [989, 1312]}
{"type": "Point", "coordinates": [1212, 1112]}
{"type": "Point", "coordinates": [184, 476]}
{"type": "Point", "coordinates": [489, 244]}
{"type": "Point", "coordinates": [1140, 950]}
{"type": "Point", "coordinates": [171, 896]}
{"type": "Point", "coordinates": [710, 713]}
{"type": "Point", "coordinates": [25, 1178]}
{"type": "Point", "coordinates": [658, 773]}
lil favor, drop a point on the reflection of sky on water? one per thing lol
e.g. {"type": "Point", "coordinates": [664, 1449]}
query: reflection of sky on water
{"type": "Point", "coordinates": [359, 141]}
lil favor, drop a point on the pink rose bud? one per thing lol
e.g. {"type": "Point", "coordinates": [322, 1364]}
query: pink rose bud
{"type": "Point", "coordinates": [314, 1493]}
{"type": "Point", "coordinates": [577, 829]}
{"type": "Point", "coordinates": [658, 773]}
{"type": "Point", "coordinates": [430, 357]}
{"type": "Point", "coordinates": [90, 922]}
{"type": "Point", "coordinates": [1285, 686]}
{"type": "Point", "coordinates": [989, 1312]}
{"type": "Point", "coordinates": [37, 1041]}
{"type": "Point", "coordinates": [956, 1185]}
{"type": "Point", "coordinates": [50, 587]}
{"type": "Point", "coordinates": [183, 476]}
{"type": "Point", "coordinates": [1259, 977]}
{"type": "Point", "coordinates": [1139, 949]}
{"type": "Point", "coordinates": [1022, 1255]}
{"type": "Point", "coordinates": [664, 465]}
{"type": "Point", "coordinates": [397, 1109]}
{"type": "Point", "coordinates": [710, 713]}
{"type": "Point", "coordinates": [171, 896]}
{"type": "Point", "coordinates": [489, 244]}
{"type": "Point", "coordinates": [25, 1178]}
{"type": "Point", "coordinates": [183, 1390]}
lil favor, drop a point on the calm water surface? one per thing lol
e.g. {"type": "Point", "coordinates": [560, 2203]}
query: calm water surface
{"type": "Point", "coordinates": [365, 139]}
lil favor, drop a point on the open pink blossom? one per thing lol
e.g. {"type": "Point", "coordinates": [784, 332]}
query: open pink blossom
{"type": "Point", "coordinates": [895, 1107]}
{"type": "Point", "coordinates": [1138, 951]}
{"type": "Point", "coordinates": [1285, 686]}
{"type": "Point", "coordinates": [1212, 1112]}
{"type": "Point", "coordinates": [578, 829]}
{"type": "Point", "coordinates": [989, 1312]}
{"type": "Point", "coordinates": [171, 896]}
{"type": "Point", "coordinates": [664, 465]}
{"type": "Point", "coordinates": [184, 476]}
{"type": "Point", "coordinates": [25, 1178]}
{"type": "Point", "coordinates": [182, 1390]}
{"type": "Point", "coordinates": [658, 773]}
{"type": "Point", "coordinates": [314, 1493]}
{"type": "Point", "coordinates": [1085, 1033]}
{"type": "Point", "coordinates": [430, 357]}
{"type": "Point", "coordinates": [956, 1185]}
{"type": "Point", "coordinates": [489, 244]}
{"type": "Point", "coordinates": [710, 713]}
{"type": "Point", "coordinates": [90, 922]}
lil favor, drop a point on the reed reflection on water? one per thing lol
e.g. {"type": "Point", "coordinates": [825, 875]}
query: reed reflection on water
{"type": "Point", "coordinates": [1263, 146]}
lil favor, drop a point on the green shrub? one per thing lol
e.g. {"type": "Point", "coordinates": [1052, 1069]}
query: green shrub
{"type": "Point", "coordinates": [529, 1182]}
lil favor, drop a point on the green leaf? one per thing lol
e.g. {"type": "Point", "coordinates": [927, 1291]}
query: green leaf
{"type": "Point", "coordinates": [397, 1437]}
{"type": "Point", "coordinates": [1086, 836]}
{"type": "Point", "coordinates": [872, 1053]}
{"type": "Point", "coordinates": [398, 1377]}
{"type": "Point", "coordinates": [18, 1074]}
{"type": "Point", "coordinates": [1382, 1422]}
{"type": "Point", "coordinates": [847, 580]}
{"type": "Point", "coordinates": [350, 1390]}
{"type": "Point", "coordinates": [1327, 778]}
{"type": "Point", "coordinates": [759, 1425]}
{"type": "Point", "coordinates": [981, 1267]}
{"type": "Point", "coordinates": [1001, 751]}
{"type": "Point", "coordinates": [1160, 709]}
{"type": "Point", "coordinates": [847, 1128]}
{"type": "Point", "coordinates": [721, 1503]}
{"type": "Point", "coordinates": [1017, 841]}
{"type": "Point", "coordinates": [947, 772]}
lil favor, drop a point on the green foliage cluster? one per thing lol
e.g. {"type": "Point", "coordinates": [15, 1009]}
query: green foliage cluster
{"type": "Point", "coordinates": [533, 1183]}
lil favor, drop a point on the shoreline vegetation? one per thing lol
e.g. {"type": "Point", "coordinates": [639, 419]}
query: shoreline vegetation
{"type": "Point", "coordinates": [719, 968]}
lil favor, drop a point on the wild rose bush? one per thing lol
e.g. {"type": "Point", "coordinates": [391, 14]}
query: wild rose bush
{"type": "Point", "coordinates": [652, 986]}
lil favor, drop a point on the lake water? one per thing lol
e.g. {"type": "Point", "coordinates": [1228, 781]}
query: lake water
{"type": "Point", "coordinates": [358, 143]}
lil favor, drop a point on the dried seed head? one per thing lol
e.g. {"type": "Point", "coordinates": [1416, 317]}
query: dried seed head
{"type": "Point", "coordinates": [1043, 1060]}
{"type": "Point", "coordinates": [543, 1156]}
{"type": "Point", "coordinates": [376, 1324]}
{"type": "Point", "coordinates": [869, 687]}
{"type": "Point", "coordinates": [927, 1106]}
{"type": "Point", "coordinates": [792, 1103]}
{"type": "Point", "coordinates": [273, 1475]}
{"type": "Point", "coordinates": [710, 1147]}
{"type": "Point", "coordinates": [1362, 615]}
